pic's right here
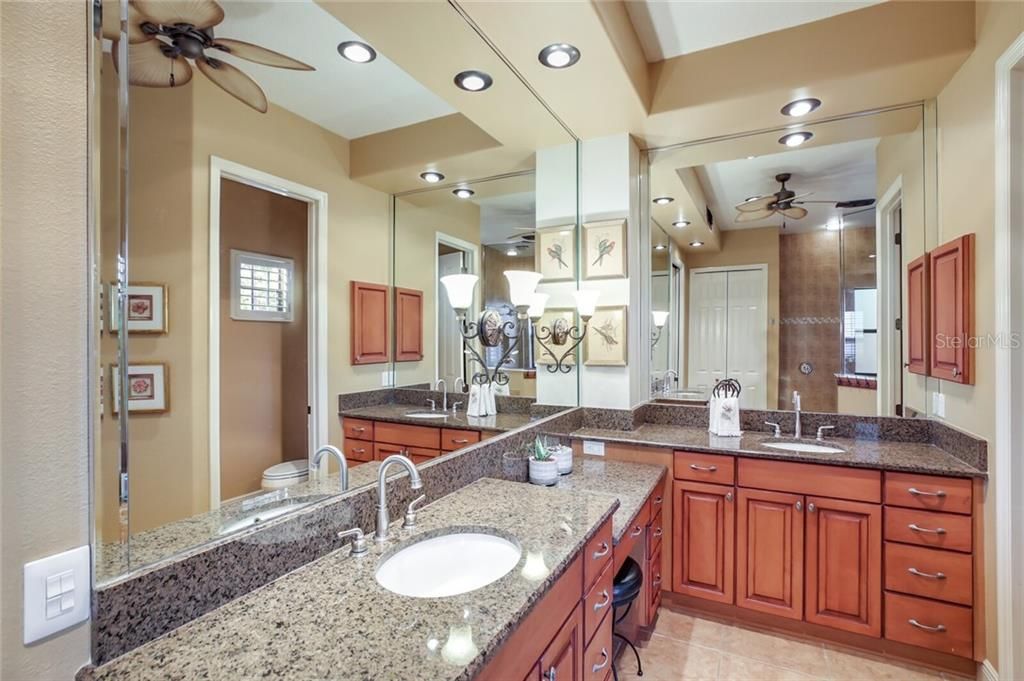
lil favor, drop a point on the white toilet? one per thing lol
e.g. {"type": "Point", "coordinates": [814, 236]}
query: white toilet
{"type": "Point", "coordinates": [286, 474]}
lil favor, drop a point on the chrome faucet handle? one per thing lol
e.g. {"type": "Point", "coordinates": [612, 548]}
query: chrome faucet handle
{"type": "Point", "coordinates": [455, 407]}
{"type": "Point", "coordinates": [433, 405]}
{"type": "Point", "coordinates": [358, 542]}
{"type": "Point", "coordinates": [410, 513]}
{"type": "Point", "coordinates": [822, 429]}
{"type": "Point", "coordinates": [775, 427]}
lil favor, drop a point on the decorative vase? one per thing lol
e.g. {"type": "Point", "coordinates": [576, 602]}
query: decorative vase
{"type": "Point", "coordinates": [563, 456]}
{"type": "Point", "coordinates": [543, 472]}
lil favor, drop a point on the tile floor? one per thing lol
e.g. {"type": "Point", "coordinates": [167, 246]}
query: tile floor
{"type": "Point", "coordinates": [686, 648]}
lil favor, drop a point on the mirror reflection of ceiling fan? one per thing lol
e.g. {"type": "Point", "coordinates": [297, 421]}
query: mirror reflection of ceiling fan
{"type": "Point", "coordinates": [788, 204]}
{"type": "Point", "coordinates": [167, 37]}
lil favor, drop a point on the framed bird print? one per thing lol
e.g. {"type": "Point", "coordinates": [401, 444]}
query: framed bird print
{"type": "Point", "coordinates": [604, 249]}
{"type": "Point", "coordinates": [605, 342]}
{"type": "Point", "coordinates": [556, 253]}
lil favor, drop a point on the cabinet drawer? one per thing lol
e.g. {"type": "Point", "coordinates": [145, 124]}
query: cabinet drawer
{"type": "Point", "coordinates": [658, 497]}
{"type": "Point", "coordinates": [634, 535]}
{"type": "Point", "coordinates": [927, 528]}
{"type": "Point", "coordinates": [713, 468]}
{"type": "Point", "coordinates": [357, 428]}
{"type": "Point", "coordinates": [402, 434]}
{"type": "Point", "coordinates": [945, 575]}
{"type": "Point", "coordinates": [929, 492]}
{"type": "Point", "coordinates": [834, 482]}
{"type": "Point", "coordinates": [597, 657]}
{"type": "Point", "coordinates": [382, 450]}
{"type": "Point", "coordinates": [597, 603]}
{"type": "Point", "coordinates": [929, 624]}
{"type": "Point", "coordinates": [452, 439]}
{"type": "Point", "coordinates": [597, 555]}
{"type": "Point", "coordinates": [655, 531]}
{"type": "Point", "coordinates": [654, 586]}
{"type": "Point", "coordinates": [358, 450]}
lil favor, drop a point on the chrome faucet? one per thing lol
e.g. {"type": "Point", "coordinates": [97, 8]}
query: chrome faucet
{"type": "Point", "coordinates": [342, 462]}
{"type": "Point", "coordinates": [383, 518]}
{"type": "Point", "coordinates": [444, 395]}
{"type": "Point", "coordinates": [664, 380]}
{"type": "Point", "coordinates": [458, 379]}
{"type": "Point", "coordinates": [796, 408]}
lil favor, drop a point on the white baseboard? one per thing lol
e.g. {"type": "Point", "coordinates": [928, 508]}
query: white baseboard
{"type": "Point", "coordinates": [986, 672]}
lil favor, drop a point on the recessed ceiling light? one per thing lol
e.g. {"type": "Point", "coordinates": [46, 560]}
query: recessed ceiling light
{"type": "Point", "coordinates": [801, 107]}
{"type": "Point", "coordinates": [833, 225]}
{"type": "Point", "coordinates": [431, 176]}
{"type": "Point", "coordinates": [473, 81]}
{"type": "Point", "coordinates": [795, 139]}
{"type": "Point", "coordinates": [511, 252]}
{"type": "Point", "coordinates": [357, 52]}
{"type": "Point", "coordinates": [871, 256]}
{"type": "Point", "coordinates": [559, 56]}
{"type": "Point", "coordinates": [750, 158]}
{"type": "Point", "coordinates": [696, 244]}
{"type": "Point", "coordinates": [662, 200]}
{"type": "Point", "coordinates": [680, 223]}
{"type": "Point", "coordinates": [751, 198]}
{"type": "Point", "coordinates": [660, 247]}
{"type": "Point", "coordinates": [462, 192]}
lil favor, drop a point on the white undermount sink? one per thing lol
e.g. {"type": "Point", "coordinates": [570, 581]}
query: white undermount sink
{"type": "Point", "coordinates": [804, 447]}
{"type": "Point", "coordinates": [448, 565]}
{"type": "Point", "coordinates": [426, 415]}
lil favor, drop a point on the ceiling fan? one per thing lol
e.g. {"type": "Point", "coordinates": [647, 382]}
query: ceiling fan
{"type": "Point", "coordinates": [166, 37]}
{"type": "Point", "coordinates": [787, 203]}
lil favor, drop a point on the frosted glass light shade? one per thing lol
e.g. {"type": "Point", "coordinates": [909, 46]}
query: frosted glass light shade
{"type": "Point", "coordinates": [537, 303]}
{"type": "Point", "coordinates": [521, 286]}
{"type": "Point", "coordinates": [586, 302]}
{"type": "Point", "coordinates": [660, 317]}
{"type": "Point", "coordinates": [460, 289]}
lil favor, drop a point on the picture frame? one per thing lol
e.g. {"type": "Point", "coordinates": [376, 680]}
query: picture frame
{"type": "Point", "coordinates": [604, 249]}
{"type": "Point", "coordinates": [147, 386]}
{"type": "Point", "coordinates": [606, 342]}
{"type": "Point", "coordinates": [555, 253]}
{"type": "Point", "coordinates": [147, 308]}
{"type": "Point", "coordinates": [542, 357]}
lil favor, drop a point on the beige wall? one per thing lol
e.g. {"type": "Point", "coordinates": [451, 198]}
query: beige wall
{"type": "Point", "coordinates": [966, 115]}
{"type": "Point", "coordinates": [44, 485]}
{"type": "Point", "coordinates": [750, 247]}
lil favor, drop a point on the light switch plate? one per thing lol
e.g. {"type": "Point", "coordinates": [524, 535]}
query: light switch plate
{"type": "Point", "coordinates": [939, 405]}
{"type": "Point", "coordinates": [593, 447]}
{"type": "Point", "coordinates": [57, 592]}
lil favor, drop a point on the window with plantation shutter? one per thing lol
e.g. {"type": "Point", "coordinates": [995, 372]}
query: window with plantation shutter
{"type": "Point", "coordinates": [261, 287]}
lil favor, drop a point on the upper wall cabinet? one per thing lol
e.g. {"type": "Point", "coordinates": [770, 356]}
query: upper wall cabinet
{"type": "Point", "coordinates": [918, 347]}
{"type": "Point", "coordinates": [408, 325]}
{"type": "Point", "coordinates": [369, 323]}
{"type": "Point", "coordinates": [951, 272]}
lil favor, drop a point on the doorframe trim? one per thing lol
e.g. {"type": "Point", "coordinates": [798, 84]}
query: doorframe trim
{"type": "Point", "coordinates": [474, 251]}
{"type": "Point", "coordinates": [885, 248]}
{"type": "Point", "coordinates": [316, 289]}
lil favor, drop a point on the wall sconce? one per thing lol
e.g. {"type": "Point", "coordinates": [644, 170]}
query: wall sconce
{"type": "Point", "coordinates": [659, 317]}
{"type": "Point", "coordinates": [560, 333]}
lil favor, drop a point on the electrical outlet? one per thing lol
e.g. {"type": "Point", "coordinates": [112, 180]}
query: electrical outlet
{"type": "Point", "coordinates": [57, 592]}
{"type": "Point", "coordinates": [939, 405]}
{"type": "Point", "coordinates": [387, 378]}
{"type": "Point", "coordinates": [593, 447]}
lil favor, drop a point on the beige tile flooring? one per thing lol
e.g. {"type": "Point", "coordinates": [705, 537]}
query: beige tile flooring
{"type": "Point", "coordinates": [687, 648]}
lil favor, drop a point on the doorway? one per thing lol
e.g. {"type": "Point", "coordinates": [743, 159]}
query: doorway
{"type": "Point", "coordinates": [454, 256]}
{"type": "Point", "coordinates": [890, 267]}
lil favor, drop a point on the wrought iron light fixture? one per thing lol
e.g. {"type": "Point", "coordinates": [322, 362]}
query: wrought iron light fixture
{"type": "Point", "coordinates": [560, 332]}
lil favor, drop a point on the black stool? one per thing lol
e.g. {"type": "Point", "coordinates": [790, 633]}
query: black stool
{"type": "Point", "coordinates": [625, 589]}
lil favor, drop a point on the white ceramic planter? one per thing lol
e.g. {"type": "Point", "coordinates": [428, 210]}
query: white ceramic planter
{"type": "Point", "coordinates": [543, 472]}
{"type": "Point", "coordinates": [563, 456]}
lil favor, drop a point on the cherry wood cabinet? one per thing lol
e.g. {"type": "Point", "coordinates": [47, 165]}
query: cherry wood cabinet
{"type": "Point", "coordinates": [951, 310]}
{"type": "Point", "coordinates": [369, 323]}
{"type": "Point", "coordinates": [843, 579]}
{"type": "Point", "coordinates": [704, 522]}
{"type": "Point", "coordinates": [770, 552]}
{"type": "Point", "coordinates": [368, 440]}
{"type": "Point", "coordinates": [916, 327]}
{"type": "Point", "coordinates": [563, 658]}
{"type": "Point", "coordinates": [408, 325]}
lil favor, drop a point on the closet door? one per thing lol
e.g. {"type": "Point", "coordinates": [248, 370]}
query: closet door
{"type": "Point", "coordinates": [709, 300]}
{"type": "Point", "coordinates": [747, 332]}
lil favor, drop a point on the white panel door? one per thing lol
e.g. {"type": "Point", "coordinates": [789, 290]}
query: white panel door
{"type": "Point", "coordinates": [660, 301]}
{"type": "Point", "coordinates": [449, 340]}
{"type": "Point", "coordinates": [709, 297]}
{"type": "Point", "coordinates": [747, 334]}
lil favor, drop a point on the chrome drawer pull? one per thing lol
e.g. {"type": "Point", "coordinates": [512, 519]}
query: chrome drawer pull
{"type": "Point", "coordinates": [917, 528]}
{"type": "Point", "coordinates": [460, 442]}
{"type": "Point", "coordinates": [603, 551]}
{"type": "Point", "coordinates": [937, 575]}
{"type": "Point", "coordinates": [636, 531]}
{"type": "Point", "coordinates": [359, 451]}
{"type": "Point", "coordinates": [658, 532]}
{"type": "Point", "coordinates": [552, 674]}
{"type": "Point", "coordinates": [607, 599]}
{"type": "Point", "coordinates": [728, 496]}
{"type": "Point", "coordinates": [935, 630]}
{"type": "Point", "coordinates": [706, 469]}
{"type": "Point", "coordinates": [657, 582]}
{"type": "Point", "coordinates": [657, 502]}
{"type": "Point", "coordinates": [598, 667]}
{"type": "Point", "coordinates": [919, 493]}
{"type": "Point", "coordinates": [357, 429]}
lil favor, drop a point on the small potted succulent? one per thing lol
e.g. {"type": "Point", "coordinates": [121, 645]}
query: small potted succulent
{"type": "Point", "coordinates": [543, 467]}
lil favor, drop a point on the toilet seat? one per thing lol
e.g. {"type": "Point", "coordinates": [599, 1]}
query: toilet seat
{"type": "Point", "coordinates": [286, 474]}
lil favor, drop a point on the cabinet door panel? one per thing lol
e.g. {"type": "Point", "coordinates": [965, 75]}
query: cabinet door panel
{"type": "Point", "coordinates": [704, 525]}
{"type": "Point", "coordinates": [951, 310]}
{"type": "Point", "coordinates": [563, 659]}
{"type": "Point", "coordinates": [918, 345]}
{"type": "Point", "coordinates": [408, 325]}
{"type": "Point", "coordinates": [844, 565]}
{"type": "Point", "coordinates": [770, 552]}
{"type": "Point", "coordinates": [369, 323]}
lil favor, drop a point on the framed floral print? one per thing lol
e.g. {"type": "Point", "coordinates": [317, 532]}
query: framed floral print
{"type": "Point", "coordinates": [147, 308]}
{"type": "Point", "coordinates": [605, 343]}
{"type": "Point", "coordinates": [556, 253]}
{"type": "Point", "coordinates": [553, 327]}
{"type": "Point", "coordinates": [147, 388]}
{"type": "Point", "coordinates": [604, 249]}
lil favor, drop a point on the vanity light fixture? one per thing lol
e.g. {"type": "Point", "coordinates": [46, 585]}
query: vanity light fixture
{"type": "Point", "coordinates": [356, 51]}
{"type": "Point", "coordinates": [473, 81]}
{"type": "Point", "coordinates": [431, 176]}
{"type": "Point", "coordinates": [681, 223]}
{"type": "Point", "coordinates": [559, 332]}
{"type": "Point", "coordinates": [801, 107]}
{"type": "Point", "coordinates": [461, 192]}
{"type": "Point", "coordinates": [559, 56]}
{"type": "Point", "coordinates": [696, 244]}
{"type": "Point", "coordinates": [663, 200]}
{"type": "Point", "coordinates": [795, 139]}
{"type": "Point", "coordinates": [658, 317]}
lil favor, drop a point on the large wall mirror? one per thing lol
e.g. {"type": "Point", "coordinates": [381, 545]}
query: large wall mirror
{"type": "Point", "coordinates": [269, 155]}
{"type": "Point", "coordinates": [781, 262]}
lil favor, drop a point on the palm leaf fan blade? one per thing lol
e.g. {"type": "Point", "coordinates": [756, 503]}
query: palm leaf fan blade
{"type": "Point", "coordinates": [755, 216]}
{"type": "Point", "coordinates": [234, 82]}
{"type": "Point", "coordinates": [199, 13]}
{"type": "Point", "coordinates": [258, 55]}
{"type": "Point", "coordinates": [149, 66]}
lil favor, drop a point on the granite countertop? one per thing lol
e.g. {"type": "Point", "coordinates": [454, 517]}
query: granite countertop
{"type": "Point", "coordinates": [630, 483]}
{"type": "Point", "coordinates": [397, 413]}
{"type": "Point", "coordinates": [330, 618]}
{"type": "Point", "coordinates": [914, 457]}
